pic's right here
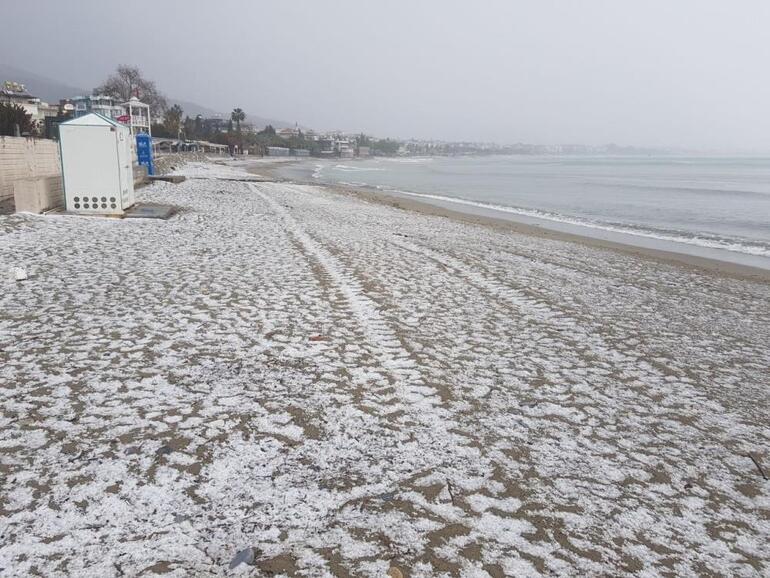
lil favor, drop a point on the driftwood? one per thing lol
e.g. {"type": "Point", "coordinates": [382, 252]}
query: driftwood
{"type": "Point", "coordinates": [756, 463]}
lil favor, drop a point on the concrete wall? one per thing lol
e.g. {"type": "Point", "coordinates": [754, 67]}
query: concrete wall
{"type": "Point", "coordinates": [38, 194]}
{"type": "Point", "coordinates": [25, 158]}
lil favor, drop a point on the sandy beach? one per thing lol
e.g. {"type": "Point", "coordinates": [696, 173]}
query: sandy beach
{"type": "Point", "coordinates": [272, 169]}
{"type": "Point", "coordinates": [292, 380]}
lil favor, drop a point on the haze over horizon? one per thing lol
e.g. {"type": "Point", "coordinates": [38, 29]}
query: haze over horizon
{"type": "Point", "coordinates": [686, 74]}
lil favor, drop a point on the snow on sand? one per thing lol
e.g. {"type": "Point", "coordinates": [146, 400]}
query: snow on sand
{"type": "Point", "coordinates": [330, 387]}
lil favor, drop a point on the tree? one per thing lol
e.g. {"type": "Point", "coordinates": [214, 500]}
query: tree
{"type": "Point", "coordinates": [268, 130]}
{"type": "Point", "coordinates": [172, 120]}
{"type": "Point", "coordinates": [159, 130]}
{"type": "Point", "coordinates": [13, 117]}
{"type": "Point", "coordinates": [237, 116]}
{"type": "Point", "coordinates": [127, 82]}
{"type": "Point", "coordinates": [188, 128]}
{"type": "Point", "coordinates": [385, 147]}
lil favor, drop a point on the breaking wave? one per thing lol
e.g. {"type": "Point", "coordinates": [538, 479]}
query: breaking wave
{"type": "Point", "coordinates": [735, 245]}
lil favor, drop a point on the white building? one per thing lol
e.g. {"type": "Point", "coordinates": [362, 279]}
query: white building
{"type": "Point", "coordinates": [98, 103]}
{"type": "Point", "coordinates": [138, 114]}
{"type": "Point", "coordinates": [16, 93]}
{"type": "Point", "coordinates": [345, 148]}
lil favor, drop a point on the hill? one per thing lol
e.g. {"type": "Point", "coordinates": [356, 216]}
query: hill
{"type": "Point", "coordinates": [51, 90]}
{"type": "Point", "coordinates": [47, 89]}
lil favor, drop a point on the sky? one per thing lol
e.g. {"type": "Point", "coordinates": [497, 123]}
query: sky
{"type": "Point", "coordinates": [663, 73]}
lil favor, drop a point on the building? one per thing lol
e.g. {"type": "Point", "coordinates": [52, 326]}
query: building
{"type": "Point", "coordinates": [16, 93]}
{"type": "Point", "coordinates": [137, 116]}
{"type": "Point", "coordinates": [134, 113]}
{"type": "Point", "coordinates": [327, 147]}
{"type": "Point", "coordinates": [278, 152]}
{"type": "Point", "coordinates": [363, 151]}
{"type": "Point", "coordinates": [98, 103]}
{"type": "Point", "coordinates": [287, 133]}
{"type": "Point", "coordinates": [345, 148]}
{"type": "Point", "coordinates": [66, 107]}
{"type": "Point", "coordinates": [214, 124]}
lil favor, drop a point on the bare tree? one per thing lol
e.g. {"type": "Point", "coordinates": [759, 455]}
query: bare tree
{"type": "Point", "coordinates": [127, 82]}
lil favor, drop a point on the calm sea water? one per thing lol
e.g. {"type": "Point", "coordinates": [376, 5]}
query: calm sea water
{"type": "Point", "coordinates": [716, 203]}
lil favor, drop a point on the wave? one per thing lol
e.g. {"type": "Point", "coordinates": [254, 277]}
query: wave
{"type": "Point", "coordinates": [409, 160]}
{"type": "Point", "coordinates": [349, 169]}
{"type": "Point", "coordinates": [708, 241]}
{"type": "Point", "coordinates": [700, 191]}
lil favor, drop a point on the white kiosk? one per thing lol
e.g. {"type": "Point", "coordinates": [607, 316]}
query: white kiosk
{"type": "Point", "coordinates": [96, 165]}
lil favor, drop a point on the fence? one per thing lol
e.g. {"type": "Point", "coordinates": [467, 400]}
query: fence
{"type": "Point", "coordinates": [24, 158]}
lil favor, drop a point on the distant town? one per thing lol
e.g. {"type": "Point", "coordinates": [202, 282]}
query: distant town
{"type": "Point", "coordinates": [129, 98]}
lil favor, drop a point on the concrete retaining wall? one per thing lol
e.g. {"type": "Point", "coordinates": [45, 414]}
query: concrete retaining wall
{"type": "Point", "coordinates": [25, 158]}
{"type": "Point", "coordinates": [38, 194]}
{"type": "Point", "coordinates": [166, 163]}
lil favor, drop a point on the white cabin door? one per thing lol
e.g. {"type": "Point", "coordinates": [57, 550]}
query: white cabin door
{"type": "Point", "coordinates": [126, 170]}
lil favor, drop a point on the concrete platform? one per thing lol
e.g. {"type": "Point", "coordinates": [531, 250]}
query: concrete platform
{"type": "Point", "coordinates": [138, 211]}
{"type": "Point", "coordinates": [168, 178]}
{"type": "Point", "coordinates": [149, 211]}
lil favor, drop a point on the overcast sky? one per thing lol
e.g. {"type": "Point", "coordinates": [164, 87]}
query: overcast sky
{"type": "Point", "coordinates": [691, 73]}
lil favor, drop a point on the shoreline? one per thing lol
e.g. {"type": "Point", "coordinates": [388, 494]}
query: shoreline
{"type": "Point", "coordinates": [369, 194]}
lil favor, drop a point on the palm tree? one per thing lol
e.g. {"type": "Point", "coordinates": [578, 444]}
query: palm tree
{"type": "Point", "coordinates": [237, 116]}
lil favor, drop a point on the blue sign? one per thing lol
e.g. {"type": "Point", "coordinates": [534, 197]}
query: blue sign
{"type": "Point", "coordinates": [144, 152]}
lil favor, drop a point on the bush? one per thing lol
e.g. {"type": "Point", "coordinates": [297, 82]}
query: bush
{"type": "Point", "coordinates": [12, 115]}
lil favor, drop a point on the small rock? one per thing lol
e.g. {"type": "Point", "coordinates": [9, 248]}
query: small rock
{"type": "Point", "coordinates": [394, 572]}
{"type": "Point", "coordinates": [19, 274]}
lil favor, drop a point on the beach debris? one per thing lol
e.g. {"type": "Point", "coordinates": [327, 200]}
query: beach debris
{"type": "Point", "coordinates": [759, 467]}
{"type": "Point", "coordinates": [318, 338]}
{"type": "Point", "coordinates": [451, 493]}
{"type": "Point", "coordinates": [245, 556]}
{"type": "Point", "coordinates": [20, 274]}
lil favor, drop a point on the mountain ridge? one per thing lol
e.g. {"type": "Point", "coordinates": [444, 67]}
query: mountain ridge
{"type": "Point", "coordinates": [52, 90]}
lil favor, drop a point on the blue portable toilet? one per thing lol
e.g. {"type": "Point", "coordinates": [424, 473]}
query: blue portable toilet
{"type": "Point", "coordinates": [144, 152]}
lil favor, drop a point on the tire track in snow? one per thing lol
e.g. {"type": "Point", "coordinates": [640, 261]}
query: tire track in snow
{"type": "Point", "coordinates": [387, 348]}
{"type": "Point", "coordinates": [570, 331]}
{"type": "Point", "coordinates": [654, 379]}
{"type": "Point", "coordinates": [532, 309]}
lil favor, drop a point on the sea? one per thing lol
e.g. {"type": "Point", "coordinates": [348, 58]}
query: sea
{"type": "Point", "coordinates": [714, 207]}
